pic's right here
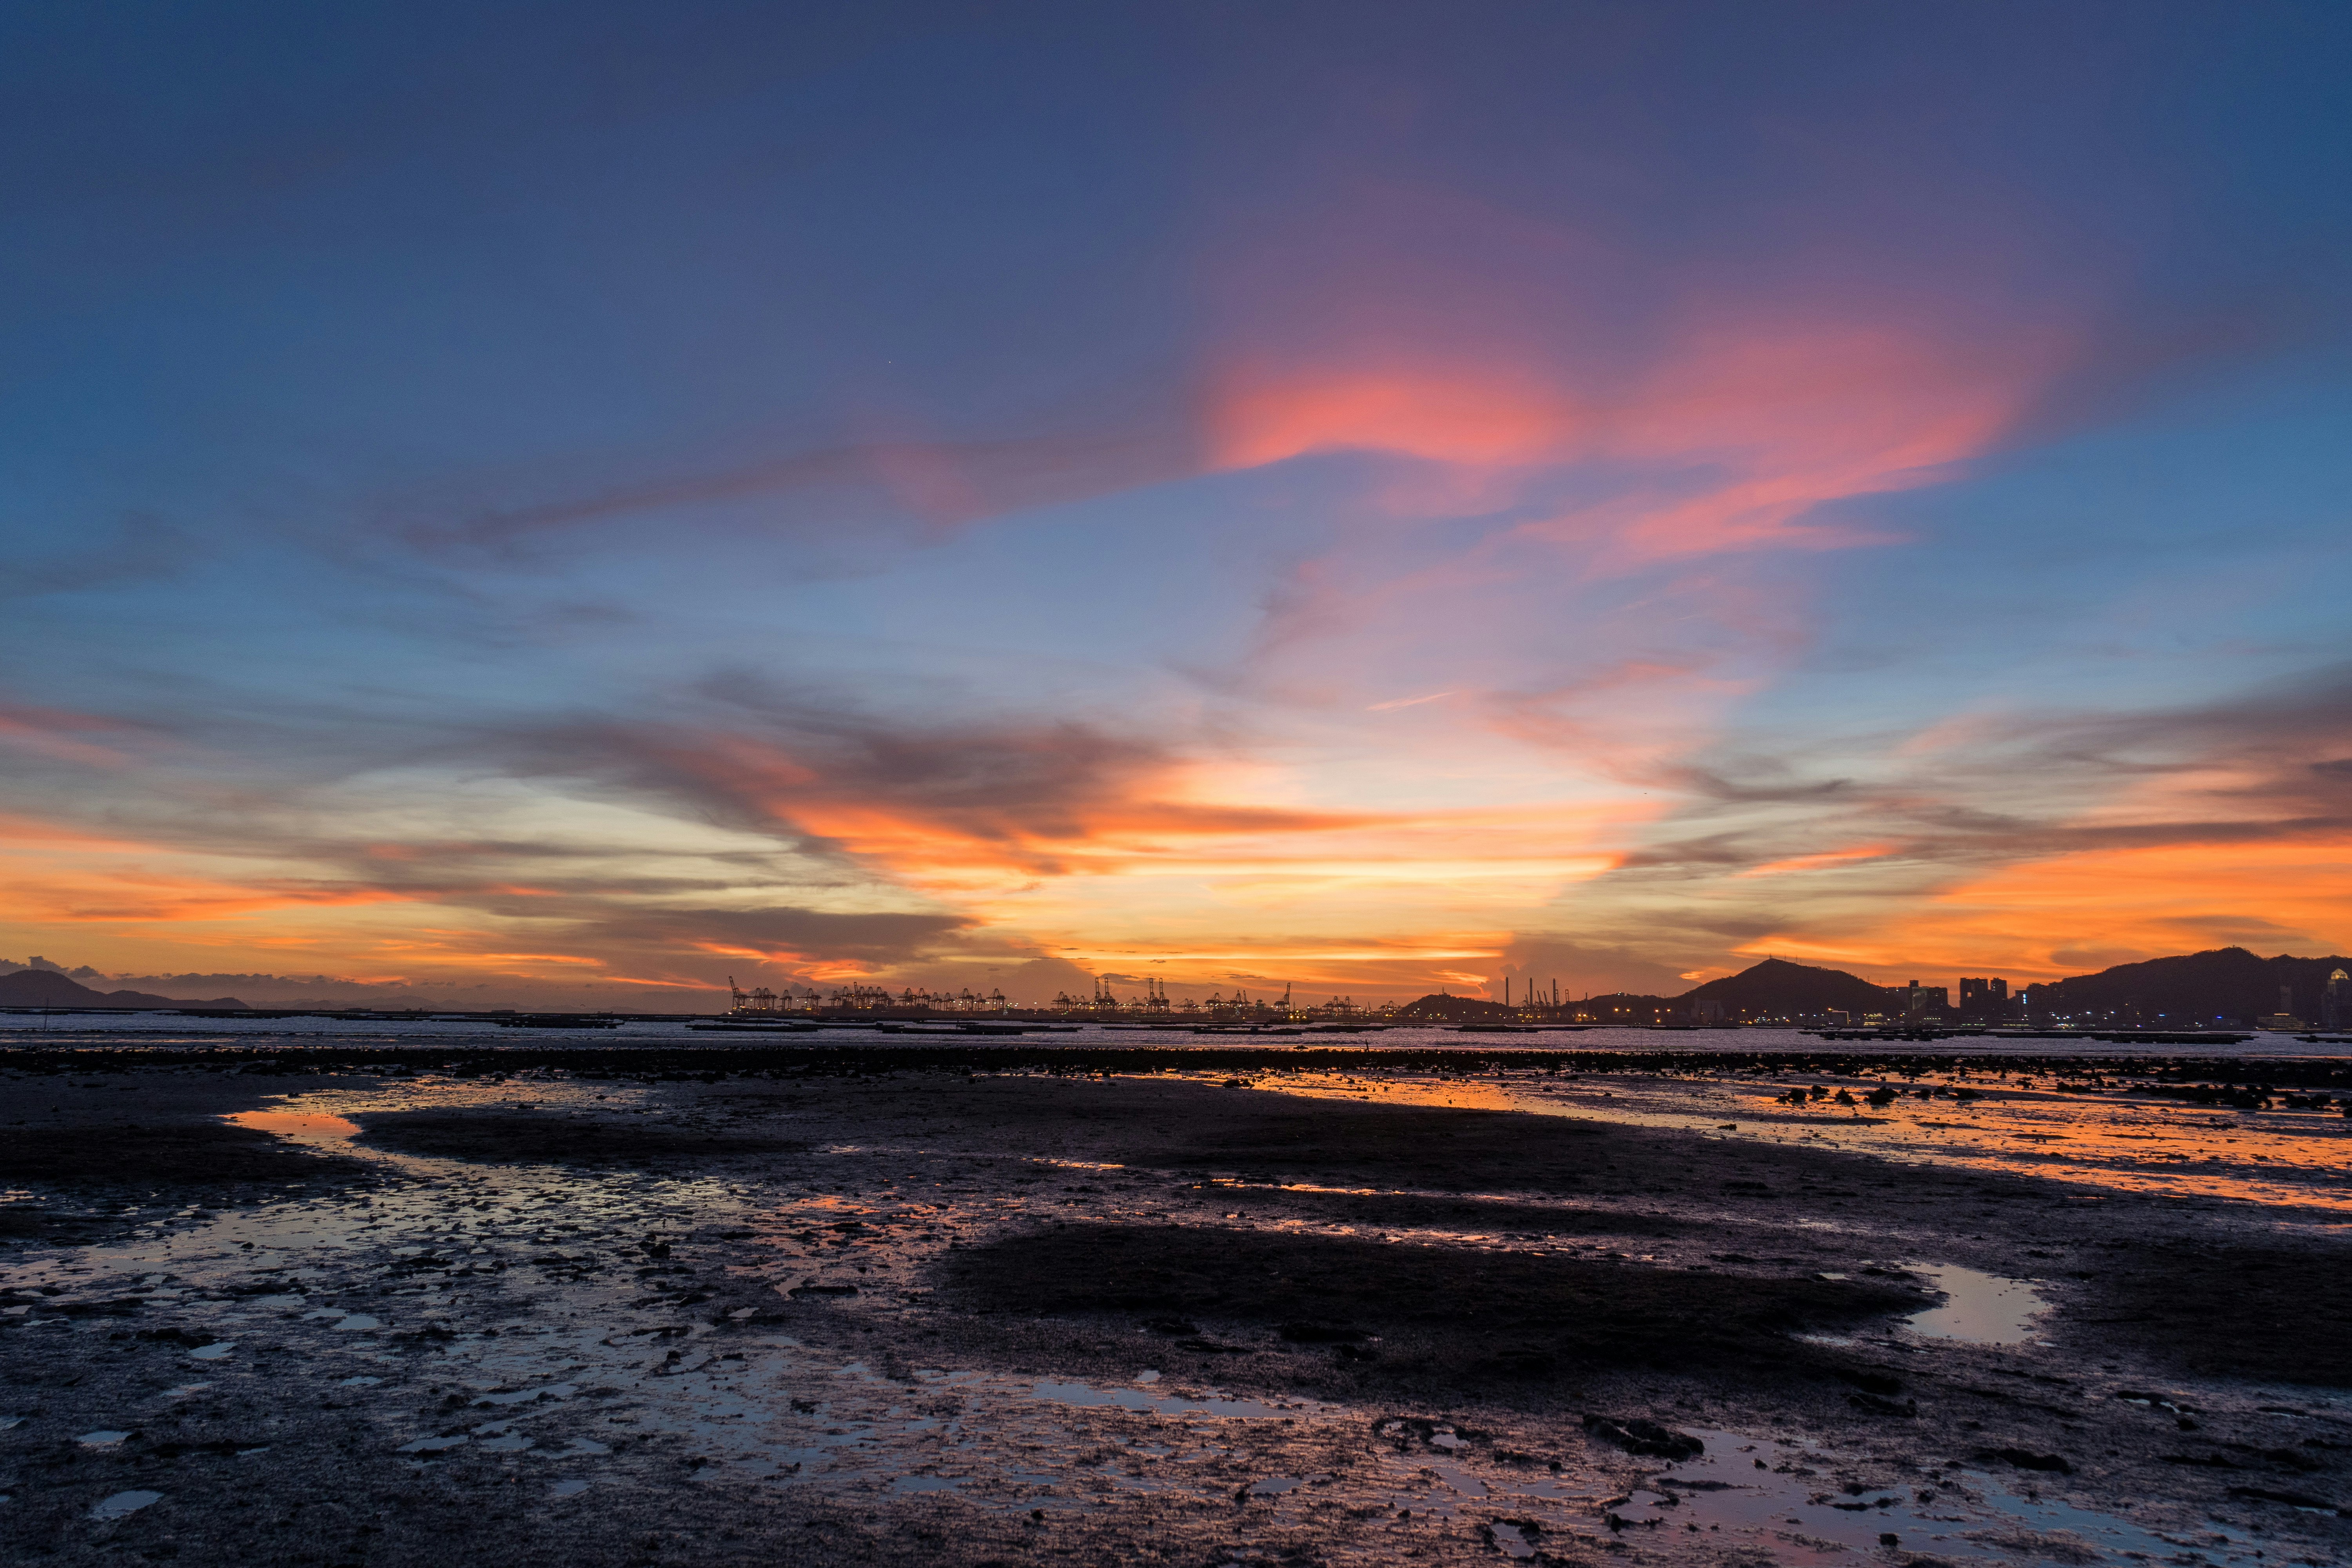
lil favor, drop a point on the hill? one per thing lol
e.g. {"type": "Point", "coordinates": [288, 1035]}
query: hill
{"type": "Point", "coordinates": [1777, 988]}
{"type": "Point", "coordinates": [2223, 982]}
{"type": "Point", "coordinates": [47, 988]}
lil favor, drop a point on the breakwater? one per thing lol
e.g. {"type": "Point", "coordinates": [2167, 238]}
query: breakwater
{"type": "Point", "coordinates": [659, 1061]}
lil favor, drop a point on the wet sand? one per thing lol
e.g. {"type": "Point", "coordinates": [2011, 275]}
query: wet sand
{"type": "Point", "coordinates": [954, 1318]}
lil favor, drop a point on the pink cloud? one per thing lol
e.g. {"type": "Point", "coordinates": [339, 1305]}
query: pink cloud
{"type": "Point", "coordinates": [1469, 414]}
{"type": "Point", "coordinates": [1736, 435]}
{"type": "Point", "coordinates": [54, 732]}
{"type": "Point", "coordinates": [1425, 325]}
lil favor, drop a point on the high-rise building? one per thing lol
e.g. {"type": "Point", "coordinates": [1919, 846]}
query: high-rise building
{"type": "Point", "coordinates": [2284, 1018]}
{"type": "Point", "coordinates": [2336, 1001]}
{"type": "Point", "coordinates": [1917, 1001]}
{"type": "Point", "coordinates": [1984, 999]}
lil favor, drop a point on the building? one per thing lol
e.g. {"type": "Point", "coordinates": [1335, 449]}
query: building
{"type": "Point", "coordinates": [1985, 1001]}
{"type": "Point", "coordinates": [1920, 1004]}
{"type": "Point", "coordinates": [2336, 1001]}
{"type": "Point", "coordinates": [2284, 1018]}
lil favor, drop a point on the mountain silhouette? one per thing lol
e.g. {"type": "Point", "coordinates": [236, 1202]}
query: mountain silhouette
{"type": "Point", "coordinates": [1777, 987]}
{"type": "Point", "coordinates": [47, 988]}
{"type": "Point", "coordinates": [2220, 983]}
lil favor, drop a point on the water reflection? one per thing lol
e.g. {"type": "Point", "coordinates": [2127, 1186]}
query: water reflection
{"type": "Point", "coordinates": [301, 1126]}
{"type": "Point", "coordinates": [2104, 1138]}
{"type": "Point", "coordinates": [122, 1505]}
{"type": "Point", "coordinates": [1774, 1496]}
{"type": "Point", "coordinates": [1979, 1308]}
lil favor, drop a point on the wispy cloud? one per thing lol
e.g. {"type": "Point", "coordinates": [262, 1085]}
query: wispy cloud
{"type": "Point", "coordinates": [933, 483]}
{"type": "Point", "coordinates": [143, 550]}
{"type": "Point", "coordinates": [67, 737]}
{"type": "Point", "coordinates": [2162, 827]}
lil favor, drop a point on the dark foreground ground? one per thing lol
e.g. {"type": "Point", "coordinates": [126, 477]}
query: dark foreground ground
{"type": "Point", "coordinates": [938, 1318]}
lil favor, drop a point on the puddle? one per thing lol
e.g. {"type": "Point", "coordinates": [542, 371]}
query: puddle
{"type": "Point", "coordinates": [337, 1318]}
{"type": "Point", "coordinates": [212, 1352]}
{"type": "Point", "coordinates": [2096, 1137]}
{"type": "Point", "coordinates": [124, 1504]}
{"type": "Point", "coordinates": [101, 1440]}
{"type": "Point", "coordinates": [1512, 1540]}
{"type": "Point", "coordinates": [1981, 1310]}
{"type": "Point", "coordinates": [567, 1489]}
{"type": "Point", "coordinates": [303, 1126]}
{"type": "Point", "coordinates": [1777, 1498]}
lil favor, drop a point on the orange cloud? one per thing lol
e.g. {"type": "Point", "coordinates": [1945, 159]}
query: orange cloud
{"type": "Point", "coordinates": [26, 832]}
{"type": "Point", "coordinates": [55, 874]}
{"type": "Point", "coordinates": [96, 897]}
{"type": "Point", "coordinates": [1049, 801]}
{"type": "Point", "coordinates": [2024, 921]}
{"type": "Point", "coordinates": [1818, 862]}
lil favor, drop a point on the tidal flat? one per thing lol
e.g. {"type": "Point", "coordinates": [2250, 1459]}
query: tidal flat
{"type": "Point", "coordinates": [266, 1310]}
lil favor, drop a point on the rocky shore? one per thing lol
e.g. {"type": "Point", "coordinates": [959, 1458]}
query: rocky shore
{"type": "Point", "coordinates": [379, 1316]}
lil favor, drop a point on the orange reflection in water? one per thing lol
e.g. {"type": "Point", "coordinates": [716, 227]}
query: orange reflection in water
{"type": "Point", "coordinates": [299, 1125]}
{"type": "Point", "coordinates": [2107, 1138]}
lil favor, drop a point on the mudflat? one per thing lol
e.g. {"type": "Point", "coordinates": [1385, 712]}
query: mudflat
{"type": "Point", "coordinates": [587, 1317]}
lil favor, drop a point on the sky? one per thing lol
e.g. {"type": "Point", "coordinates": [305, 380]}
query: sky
{"type": "Point", "coordinates": [576, 502]}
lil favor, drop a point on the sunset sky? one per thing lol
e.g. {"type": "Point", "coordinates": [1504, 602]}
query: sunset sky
{"type": "Point", "coordinates": [573, 501]}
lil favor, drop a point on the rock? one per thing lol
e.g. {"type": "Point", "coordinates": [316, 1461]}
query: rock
{"type": "Point", "coordinates": [1637, 1435]}
{"type": "Point", "coordinates": [1871, 1381]}
{"type": "Point", "coordinates": [175, 1336]}
{"type": "Point", "coordinates": [2026, 1459]}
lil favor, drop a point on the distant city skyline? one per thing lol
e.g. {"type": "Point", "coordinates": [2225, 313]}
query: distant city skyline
{"type": "Point", "coordinates": [577, 505]}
